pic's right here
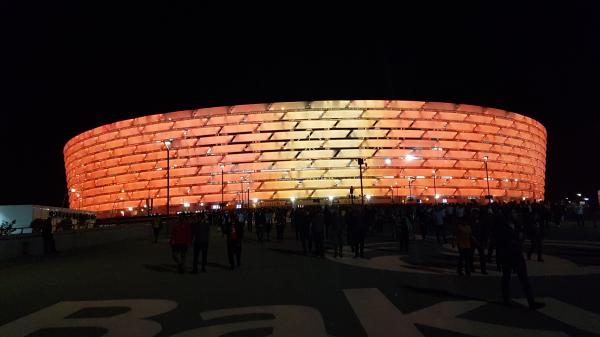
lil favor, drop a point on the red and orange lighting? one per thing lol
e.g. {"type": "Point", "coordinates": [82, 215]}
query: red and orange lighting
{"type": "Point", "coordinates": [306, 150]}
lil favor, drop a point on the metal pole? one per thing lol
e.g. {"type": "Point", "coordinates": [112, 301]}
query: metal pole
{"type": "Point", "coordinates": [434, 190]}
{"type": "Point", "coordinates": [409, 190]}
{"type": "Point", "coordinates": [487, 179]}
{"type": "Point", "coordinates": [168, 181]}
{"type": "Point", "coordinates": [222, 190]}
{"type": "Point", "coordinates": [362, 194]}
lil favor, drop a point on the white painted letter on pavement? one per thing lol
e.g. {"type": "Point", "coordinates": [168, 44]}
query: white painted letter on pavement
{"type": "Point", "coordinates": [288, 321]}
{"type": "Point", "coordinates": [380, 318]}
{"type": "Point", "coordinates": [129, 324]}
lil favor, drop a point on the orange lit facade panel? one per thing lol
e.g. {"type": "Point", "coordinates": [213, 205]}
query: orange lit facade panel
{"type": "Point", "coordinates": [308, 150]}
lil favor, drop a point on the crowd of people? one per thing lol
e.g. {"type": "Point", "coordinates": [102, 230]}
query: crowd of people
{"type": "Point", "coordinates": [494, 232]}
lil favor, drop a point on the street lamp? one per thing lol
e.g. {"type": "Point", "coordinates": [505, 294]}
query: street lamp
{"type": "Point", "coordinates": [435, 196]}
{"type": "Point", "coordinates": [362, 195]}
{"type": "Point", "coordinates": [487, 178]}
{"type": "Point", "coordinates": [242, 191]}
{"type": "Point", "coordinates": [168, 143]}
{"type": "Point", "coordinates": [222, 186]}
{"type": "Point", "coordinates": [78, 195]}
{"type": "Point", "coordinates": [409, 188]}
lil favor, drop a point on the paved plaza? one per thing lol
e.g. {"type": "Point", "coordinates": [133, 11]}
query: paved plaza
{"type": "Point", "coordinates": [131, 288]}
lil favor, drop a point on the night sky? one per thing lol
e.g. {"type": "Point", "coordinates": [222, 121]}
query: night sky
{"type": "Point", "coordinates": [67, 68]}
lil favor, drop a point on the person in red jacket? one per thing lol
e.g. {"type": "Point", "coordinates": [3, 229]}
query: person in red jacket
{"type": "Point", "coordinates": [181, 238]}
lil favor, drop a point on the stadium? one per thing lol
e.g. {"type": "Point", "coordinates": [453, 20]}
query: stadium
{"type": "Point", "coordinates": [299, 152]}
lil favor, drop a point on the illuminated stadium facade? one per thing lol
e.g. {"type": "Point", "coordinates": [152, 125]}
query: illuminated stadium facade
{"type": "Point", "coordinates": [307, 150]}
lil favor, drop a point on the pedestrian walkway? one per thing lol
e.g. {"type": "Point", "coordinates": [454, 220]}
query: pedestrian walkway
{"type": "Point", "coordinates": [281, 292]}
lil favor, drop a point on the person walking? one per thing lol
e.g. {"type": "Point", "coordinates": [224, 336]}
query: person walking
{"type": "Point", "coordinates": [49, 243]}
{"type": "Point", "coordinates": [296, 222]}
{"type": "Point", "coordinates": [268, 223]}
{"type": "Point", "coordinates": [280, 217]}
{"type": "Point", "coordinates": [403, 235]}
{"type": "Point", "coordinates": [318, 232]}
{"type": "Point", "coordinates": [235, 234]}
{"type": "Point", "coordinates": [463, 243]}
{"type": "Point", "coordinates": [438, 223]}
{"type": "Point", "coordinates": [200, 234]}
{"type": "Point", "coordinates": [579, 216]}
{"type": "Point", "coordinates": [305, 231]}
{"type": "Point", "coordinates": [510, 256]}
{"type": "Point", "coordinates": [181, 238]}
{"type": "Point", "coordinates": [260, 225]}
{"type": "Point", "coordinates": [536, 236]}
{"type": "Point", "coordinates": [337, 231]}
{"type": "Point", "coordinates": [156, 227]}
{"type": "Point", "coordinates": [480, 238]}
{"type": "Point", "coordinates": [251, 220]}
{"type": "Point", "coordinates": [360, 231]}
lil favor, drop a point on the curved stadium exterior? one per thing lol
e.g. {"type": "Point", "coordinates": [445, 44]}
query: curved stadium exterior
{"type": "Point", "coordinates": [307, 150]}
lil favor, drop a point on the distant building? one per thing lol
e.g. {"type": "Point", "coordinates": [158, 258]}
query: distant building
{"type": "Point", "coordinates": [62, 218]}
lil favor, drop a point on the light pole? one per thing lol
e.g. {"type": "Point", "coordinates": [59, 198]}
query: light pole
{"type": "Point", "coordinates": [78, 195]}
{"type": "Point", "coordinates": [362, 195]}
{"type": "Point", "coordinates": [242, 197]}
{"type": "Point", "coordinates": [434, 188]}
{"type": "Point", "coordinates": [168, 143]}
{"type": "Point", "coordinates": [222, 187]}
{"type": "Point", "coordinates": [487, 178]}
{"type": "Point", "coordinates": [409, 189]}
{"type": "Point", "coordinates": [248, 200]}
{"type": "Point", "coordinates": [393, 200]}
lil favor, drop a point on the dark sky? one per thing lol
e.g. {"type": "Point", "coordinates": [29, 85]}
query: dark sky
{"type": "Point", "coordinates": [66, 68]}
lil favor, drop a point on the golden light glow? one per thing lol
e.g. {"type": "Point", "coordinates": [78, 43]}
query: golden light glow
{"type": "Point", "coordinates": [308, 150]}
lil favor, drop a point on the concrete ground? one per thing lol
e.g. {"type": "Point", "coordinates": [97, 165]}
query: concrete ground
{"type": "Point", "coordinates": [131, 288]}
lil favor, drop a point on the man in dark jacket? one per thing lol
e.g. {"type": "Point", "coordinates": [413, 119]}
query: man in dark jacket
{"type": "Point", "coordinates": [49, 245]}
{"type": "Point", "coordinates": [359, 229]}
{"type": "Point", "coordinates": [235, 234]}
{"type": "Point", "coordinates": [510, 255]}
{"type": "Point", "coordinates": [200, 234]}
{"type": "Point", "coordinates": [305, 231]}
{"type": "Point", "coordinates": [318, 229]}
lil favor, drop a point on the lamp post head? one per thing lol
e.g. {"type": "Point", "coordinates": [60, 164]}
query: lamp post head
{"type": "Point", "coordinates": [222, 166]}
{"type": "Point", "coordinates": [388, 161]}
{"type": "Point", "coordinates": [485, 157]}
{"type": "Point", "coordinates": [168, 143]}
